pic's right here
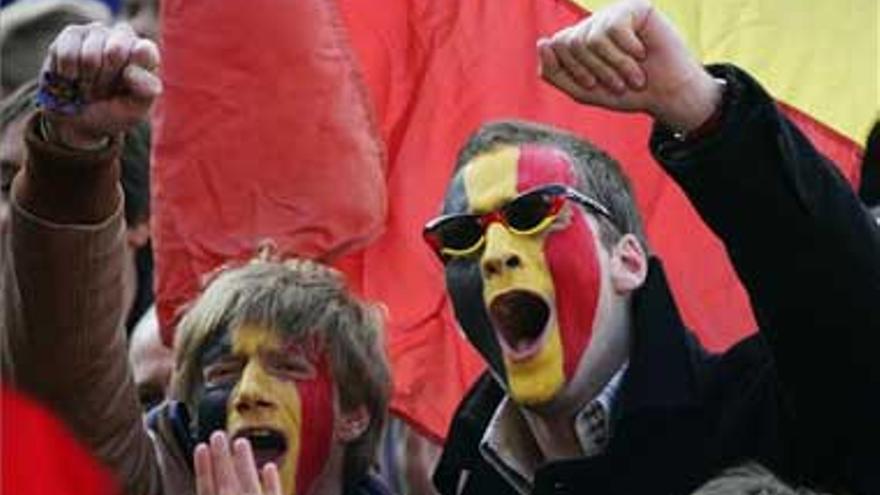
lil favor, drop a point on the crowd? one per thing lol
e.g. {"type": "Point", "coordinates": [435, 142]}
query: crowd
{"type": "Point", "coordinates": [278, 383]}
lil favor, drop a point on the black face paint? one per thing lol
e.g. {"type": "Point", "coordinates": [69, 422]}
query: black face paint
{"type": "Point", "coordinates": [211, 413]}
{"type": "Point", "coordinates": [212, 400]}
{"type": "Point", "coordinates": [464, 283]}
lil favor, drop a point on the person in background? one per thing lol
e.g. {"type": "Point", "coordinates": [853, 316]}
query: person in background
{"type": "Point", "coordinates": [151, 361]}
{"type": "Point", "coordinates": [750, 479]}
{"type": "Point", "coordinates": [27, 28]}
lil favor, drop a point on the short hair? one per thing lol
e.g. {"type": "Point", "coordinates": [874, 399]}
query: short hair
{"type": "Point", "coordinates": [598, 175]}
{"type": "Point", "coordinates": [750, 479]}
{"type": "Point", "coordinates": [303, 299]}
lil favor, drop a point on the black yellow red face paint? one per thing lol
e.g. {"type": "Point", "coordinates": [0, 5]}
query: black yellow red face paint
{"type": "Point", "coordinates": [532, 318]}
{"type": "Point", "coordinates": [276, 393]}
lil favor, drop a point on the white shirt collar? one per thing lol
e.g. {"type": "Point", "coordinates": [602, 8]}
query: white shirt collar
{"type": "Point", "coordinates": [510, 447]}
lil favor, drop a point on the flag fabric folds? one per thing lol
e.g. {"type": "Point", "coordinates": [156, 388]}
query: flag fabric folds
{"type": "Point", "coordinates": [263, 132]}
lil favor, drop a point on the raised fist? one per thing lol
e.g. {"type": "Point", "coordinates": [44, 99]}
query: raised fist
{"type": "Point", "coordinates": [97, 81]}
{"type": "Point", "coordinates": [629, 57]}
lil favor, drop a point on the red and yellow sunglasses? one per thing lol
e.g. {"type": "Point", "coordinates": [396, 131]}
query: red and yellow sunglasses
{"type": "Point", "coordinates": [459, 235]}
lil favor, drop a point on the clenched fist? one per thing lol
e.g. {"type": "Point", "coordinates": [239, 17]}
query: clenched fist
{"type": "Point", "coordinates": [114, 73]}
{"type": "Point", "coordinates": [629, 57]}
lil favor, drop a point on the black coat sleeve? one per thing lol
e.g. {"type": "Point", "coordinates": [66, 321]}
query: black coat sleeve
{"type": "Point", "coordinates": [808, 254]}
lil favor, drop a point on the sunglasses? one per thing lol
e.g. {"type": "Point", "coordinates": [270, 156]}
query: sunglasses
{"type": "Point", "coordinates": [531, 212]}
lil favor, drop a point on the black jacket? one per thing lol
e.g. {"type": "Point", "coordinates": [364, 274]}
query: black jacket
{"type": "Point", "coordinates": [802, 396]}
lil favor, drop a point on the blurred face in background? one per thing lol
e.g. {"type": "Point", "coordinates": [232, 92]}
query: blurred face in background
{"type": "Point", "coordinates": [151, 361]}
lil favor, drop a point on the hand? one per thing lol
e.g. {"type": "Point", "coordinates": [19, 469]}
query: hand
{"type": "Point", "coordinates": [629, 57]}
{"type": "Point", "coordinates": [220, 473]}
{"type": "Point", "coordinates": [117, 73]}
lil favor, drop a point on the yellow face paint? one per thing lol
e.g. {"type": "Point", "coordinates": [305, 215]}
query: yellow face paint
{"type": "Point", "coordinates": [536, 375]}
{"type": "Point", "coordinates": [261, 400]}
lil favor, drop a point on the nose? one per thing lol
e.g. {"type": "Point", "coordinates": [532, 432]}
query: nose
{"type": "Point", "coordinates": [251, 394]}
{"type": "Point", "coordinates": [499, 255]}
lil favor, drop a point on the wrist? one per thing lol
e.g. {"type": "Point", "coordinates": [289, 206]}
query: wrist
{"type": "Point", "coordinates": [70, 137]}
{"type": "Point", "coordinates": [693, 106]}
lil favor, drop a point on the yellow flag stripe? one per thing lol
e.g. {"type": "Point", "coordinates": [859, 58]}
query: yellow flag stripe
{"type": "Point", "coordinates": [820, 56]}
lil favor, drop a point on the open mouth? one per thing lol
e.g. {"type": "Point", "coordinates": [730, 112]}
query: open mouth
{"type": "Point", "coordinates": [520, 320]}
{"type": "Point", "coordinates": [269, 445]}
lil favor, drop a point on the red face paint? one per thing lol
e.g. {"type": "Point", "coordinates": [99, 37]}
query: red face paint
{"type": "Point", "coordinates": [316, 431]}
{"type": "Point", "coordinates": [570, 254]}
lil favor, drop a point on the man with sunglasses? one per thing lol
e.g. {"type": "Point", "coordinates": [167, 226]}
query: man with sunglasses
{"type": "Point", "coordinates": [594, 384]}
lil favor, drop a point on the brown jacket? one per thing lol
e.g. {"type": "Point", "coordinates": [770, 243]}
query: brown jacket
{"type": "Point", "coordinates": [61, 338]}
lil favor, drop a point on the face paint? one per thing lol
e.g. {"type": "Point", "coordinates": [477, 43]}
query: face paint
{"type": "Point", "coordinates": [570, 253]}
{"type": "Point", "coordinates": [274, 388]}
{"type": "Point", "coordinates": [539, 300]}
{"type": "Point", "coordinates": [214, 393]}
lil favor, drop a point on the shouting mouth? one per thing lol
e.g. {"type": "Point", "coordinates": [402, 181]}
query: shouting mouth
{"type": "Point", "coordinates": [520, 319]}
{"type": "Point", "coordinates": [268, 444]}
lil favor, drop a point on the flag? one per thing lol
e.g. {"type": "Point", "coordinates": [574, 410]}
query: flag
{"type": "Point", "coordinates": [263, 133]}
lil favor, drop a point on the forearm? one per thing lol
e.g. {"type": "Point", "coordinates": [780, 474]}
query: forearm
{"type": "Point", "coordinates": [801, 242]}
{"type": "Point", "coordinates": [65, 186]}
{"type": "Point", "coordinates": [63, 317]}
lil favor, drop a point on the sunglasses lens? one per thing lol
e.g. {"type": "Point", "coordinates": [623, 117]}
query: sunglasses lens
{"type": "Point", "coordinates": [459, 233]}
{"type": "Point", "coordinates": [529, 211]}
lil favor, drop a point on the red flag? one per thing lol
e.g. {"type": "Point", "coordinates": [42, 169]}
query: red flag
{"type": "Point", "coordinates": [263, 132]}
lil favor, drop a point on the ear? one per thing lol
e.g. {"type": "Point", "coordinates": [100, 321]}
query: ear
{"type": "Point", "coordinates": [629, 264]}
{"type": "Point", "coordinates": [350, 425]}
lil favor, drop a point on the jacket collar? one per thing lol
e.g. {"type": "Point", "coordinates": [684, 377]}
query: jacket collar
{"type": "Point", "coordinates": [660, 374]}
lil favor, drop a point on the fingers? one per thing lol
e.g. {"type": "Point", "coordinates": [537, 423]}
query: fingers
{"type": "Point", "coordinates": [625, 37]}
{"type": "Point", "coordinates": [64, 51]}
{"type": "Point", "coordinates": [614, 67]}
{"type": "Point", "coordinates": [221, 472]}
{"type": "Point", "coordinates": [96, 56]}
{"type": "Point", "coordinates": [245, 467]}
{"type": "Point", "coordinates": [141, 83]}
{"type": "Point", "coordinates": [145, 53]}
{"type": "Point", "coordinates": [91, 54]}
{"type": "Point", "coordinates": [554, 73]}
{"type": "Point", "coordinates": [271, 479]}
{"type": "Point", "coordinates": [204, 471]}
{"type": "Point", "coordinates": [224, 472]}
{"type": "Point", "coordinates": [601, 50]}
{"type": "Point", "coordinates": [117, 50]}
{"type": "Point", "coordinates": [561, 46]}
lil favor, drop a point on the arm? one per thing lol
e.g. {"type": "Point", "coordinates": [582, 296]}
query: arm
{"type": "Point", "coordinates": [62, 277]}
